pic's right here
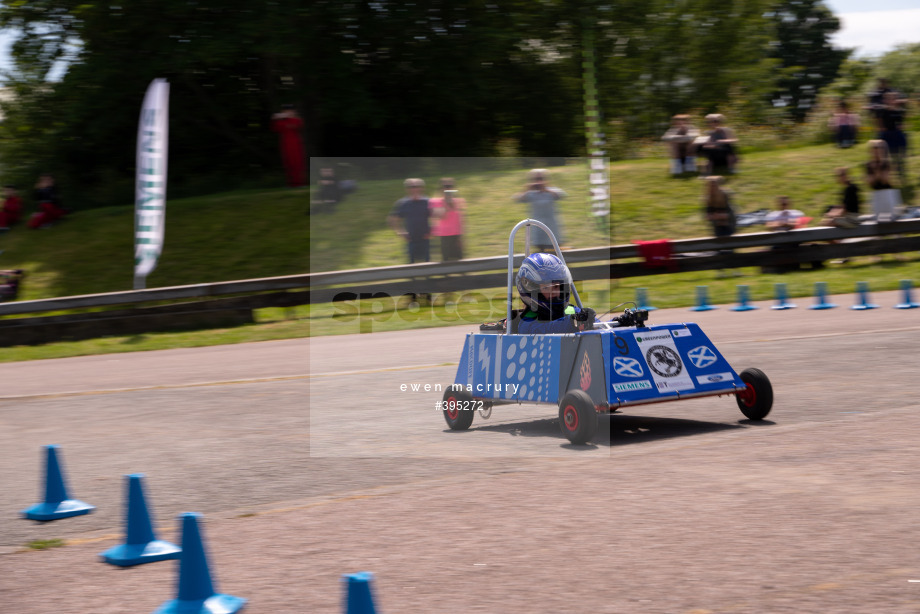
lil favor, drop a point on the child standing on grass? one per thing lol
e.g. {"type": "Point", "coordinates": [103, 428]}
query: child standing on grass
{"type": "Point", "coordinates": [447, 212]}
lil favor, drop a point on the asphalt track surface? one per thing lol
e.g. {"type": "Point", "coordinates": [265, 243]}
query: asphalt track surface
{"type": "Point", "coordinates": [308, 461]}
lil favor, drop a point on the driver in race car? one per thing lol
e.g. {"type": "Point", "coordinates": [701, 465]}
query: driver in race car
{"type": "Point", "coordinates": [544, 283]}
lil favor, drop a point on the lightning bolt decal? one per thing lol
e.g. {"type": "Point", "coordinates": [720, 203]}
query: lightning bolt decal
{"type": "Point", "coordinates": [484, 358]}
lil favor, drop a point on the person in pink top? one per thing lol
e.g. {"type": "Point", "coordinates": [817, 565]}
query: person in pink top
{"type": "Point", "coordinates": [844, 125]}
{"type": "Point", "coordinates": [447, 213]}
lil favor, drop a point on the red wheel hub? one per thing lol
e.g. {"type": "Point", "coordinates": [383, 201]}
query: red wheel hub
{"type": "Point", "coordinates": [748, 396]}
{"type": "Point", "coordinates": [452, 411]}
{"type": "Point", "coordinates": [570, 417]}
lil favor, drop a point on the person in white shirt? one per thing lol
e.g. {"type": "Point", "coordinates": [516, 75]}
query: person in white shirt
{"type": "Point", "coordinates": [681, 139]}
{"type": "Point", "coordinates": [784, 218]}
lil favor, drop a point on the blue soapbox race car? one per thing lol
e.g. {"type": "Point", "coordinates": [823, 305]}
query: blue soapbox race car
{"type": "Point", "coordinates": [598, 369]}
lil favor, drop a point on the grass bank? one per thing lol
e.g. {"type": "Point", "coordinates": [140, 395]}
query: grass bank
{"type": "Point", "coordinates": [261, 233]}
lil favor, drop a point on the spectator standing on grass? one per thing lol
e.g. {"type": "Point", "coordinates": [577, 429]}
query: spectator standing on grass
{"type": "Point", "coordinates": [409, 219]}
{"type": "Point", "coordinates": [681, 137]}
{"type": "Point", "coordinates": [877, 95]}
{"type": "Point", "coordinates": [891, 115]}
{"type": "Point", "coordinates": [542, 199]}
{"type": "Point", "coordinates": [845, 214]}
{"type": "Point", "coordinates": [289, 126]}
{"type": "Point", "coordinates": [844, 125]}
{"type": "Point", "coordinates": [719, 211]}
{"type": "Point", "coordinates": [718, 208]}
{"type": "Point", "coordinates": [447, 212]}
{"type": "Point", "coordinates": [11, 209]}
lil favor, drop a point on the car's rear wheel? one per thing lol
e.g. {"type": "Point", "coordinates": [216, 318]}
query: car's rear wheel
{"type": "Point", "coordinates": [577, 417]}
{"type": "Point", "coordinates": [756, 400]}
{"type": "Point", "coordinates": [458, 409]}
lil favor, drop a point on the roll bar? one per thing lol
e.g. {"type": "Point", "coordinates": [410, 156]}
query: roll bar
{"type": "Point", "coordinates": [526, 224]}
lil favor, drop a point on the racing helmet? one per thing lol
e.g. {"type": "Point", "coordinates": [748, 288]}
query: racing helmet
{"type": "Point", "coordinates": [540, 268]}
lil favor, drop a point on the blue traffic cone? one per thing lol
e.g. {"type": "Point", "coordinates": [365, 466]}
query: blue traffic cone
{"type": "Point", "coordinates": [642, 300]}
{"type": "Point", "coordinates": [743, 304]}
{"type": "Point", "coordinates": [907, 302]}
{"type": "Point", "coordinates": [781, 302]}
{"type": "Point", "coordinates": [358, 596]}
{"type": "Point", "coordinates": [196, 591]}
{"type": "Point", "coordinates": [702, 300]}
{"type": "Point", "coordinates": [862, 292]}
{"type": "Point", "coordinates": [821, 297]}
{"type": "Point", "coordinates": [141, 545]}
{"type": "Point", "coordinates": [56, 504]}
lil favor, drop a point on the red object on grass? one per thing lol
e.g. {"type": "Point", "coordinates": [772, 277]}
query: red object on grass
{"type": "Point", "coordinates": [656, 253]}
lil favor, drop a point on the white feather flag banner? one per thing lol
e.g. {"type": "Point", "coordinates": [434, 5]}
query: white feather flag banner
{"type": "Point", "coordinates": [150, 186]}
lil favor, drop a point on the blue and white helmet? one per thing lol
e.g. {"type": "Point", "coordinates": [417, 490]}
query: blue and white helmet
{"type": "Point", "coordinates": [538, 269]}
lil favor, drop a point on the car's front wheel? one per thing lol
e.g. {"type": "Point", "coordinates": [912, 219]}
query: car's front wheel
{"type": "Point", "coordinates": [756, 400]}
{"type": "Point", "coordinates": [577, 417]}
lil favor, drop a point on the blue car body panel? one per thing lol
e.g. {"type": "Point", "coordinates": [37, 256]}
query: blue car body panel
{"type": "Point", "coordinates": [511, 367]}
{"type": "Point", "coordinates": [663, 362]}
{"type": "Point", "coordinates": [620, 366]}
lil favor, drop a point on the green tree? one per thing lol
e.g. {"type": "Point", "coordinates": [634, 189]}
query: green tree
{"type": "Point", "coordinates": [438, 77]}
{"type": "Point", "coordinates": [427, 78]}
{"type": "Point", "coordinates": [229, 66]}
{"type": "Point", "coordinates": [803, 45]}
{"type": "Point", "coordinates": [901, 67]}
{"type": "Point", "coordinates": [853, 79]}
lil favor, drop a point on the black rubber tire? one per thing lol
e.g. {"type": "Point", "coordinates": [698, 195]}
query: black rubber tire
{"type": "Point", "coordinates": [577, 417]}
{"type": "Point", "coordinates": [757, 401]}
{"type": "Point", "coordinates": [458, 409]}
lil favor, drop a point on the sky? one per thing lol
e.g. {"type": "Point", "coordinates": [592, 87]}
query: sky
{"type": "Point", "coordinates": [876, 27]}
{"type": "Point", "coordinates": [873, 27]}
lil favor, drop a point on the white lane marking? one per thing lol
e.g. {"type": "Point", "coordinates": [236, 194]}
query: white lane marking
{"type": "Point", "coordinates": [380, 370]}
{"type": "Point", "coordinates": [77, 393]}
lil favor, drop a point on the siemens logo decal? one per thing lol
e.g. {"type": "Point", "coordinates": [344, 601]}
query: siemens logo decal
{"type": "Point", "coordinates": [631, 386]}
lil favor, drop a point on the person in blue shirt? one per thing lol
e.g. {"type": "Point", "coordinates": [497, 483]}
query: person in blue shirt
{"type": "Point", "coordinates": [409, 218]}
{"type": "Point", "coordinates": [544, 284]}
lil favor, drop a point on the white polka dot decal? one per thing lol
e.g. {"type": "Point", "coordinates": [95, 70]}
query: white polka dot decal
{"type": "Point", "coordinates": [529, 378]}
